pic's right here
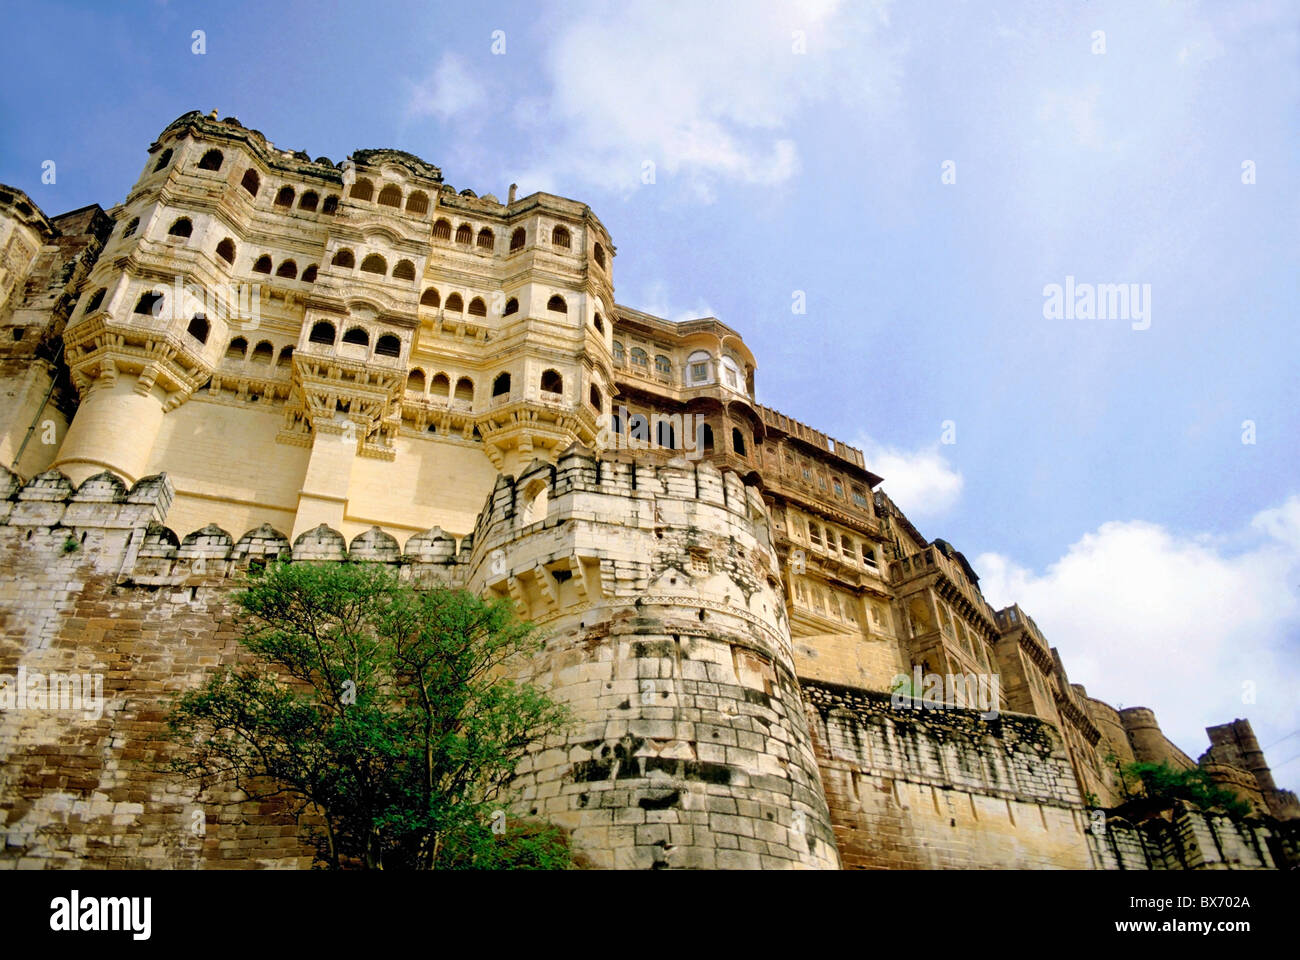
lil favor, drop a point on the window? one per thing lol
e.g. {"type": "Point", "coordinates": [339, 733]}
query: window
{"type": "Point", "coordinates": [212, 160]}
{"type": "Point", "coordinates": [198, 328]}
{"type": "Point", "coordinates": [807, 472]}
{"type": "Point", "coordinates": [309, 275]}
{"type": "Point", "coordinates": [263, 264]}
{"type": "Point", "coordinates": [846, 545]}
{"type": "Point", "coordinates": [418, 203]}
{"type": "Point", "coordinates": [600, 255]}
{"type": "Point", "coordinates": [344, 258]}
{"type": "Point", "coordinates": [150, 303]}
{"type": "Point", "coordinates": [560, 238]}
{"type": "Point", "coordinates": [732, 375]}
{"type": "Point", "coordinates": [464, 233]}
{"type": "Point", "coordinates": [131, 228]}
{"type": "Point", "coordinates": [430, 298]}
{"type": "Point", "coordinates": [405, 270]}
{"type": "Point", "coordinates": [600, 324]}
{"type": "Point", "coordinates": [388, 346]}
{"type": "Point", "coordinates": [595, 398]}
{"type": "Point", "coordinates": [465, 389]}
{"type": "Point", "coordinates": [237, 349]}
{"type": "Point", "coordinates": [708, 437]}
{"type": "Point", "coordinates": [226, 250]}
{"type": "Point", "coordinates": [363, 189]}
{"type": "Point", "coordinates": [309, 200]}
{"type": "Point", "coordinates": [868, 555]}
{"type": "Point", "coordinates": [640, 358]}
{"type": "Point", "coordinates": [501, 385]}
{"type": "Point", "coordinates": [663, 366]}
{"type": "Point", "coordinates": [815, 534]}
{"type": "Point", "coordinates": [455, 303]}
{"type": "Point", "coordinates": [163, 159]}
{"type": "Point", "coordinates": [552, 382]}
{"type": "Point", "coordinates": [357, 336]}
{"type": "Point", "coordinates": [440, 386]}
{"type": "Point", "coordinates": [288, 270]}
{"type": "Point", "coordinates": [487, 240]}
{"type": "Point", "coordinates": [285, 197]}
{"type": "Point", "coordinates": [331, 204]}
{"type": "Point", "coordinates": [477, 308]}
{"type": "Point", "coordinates": [96, 300]}
{"type": "Point", "coordinates": [322, 332]}
{"type": "Point", "coordinates": [698, 364]}
{"type": "Point", "coordinates": [517, 239]}
{"type": "Point", "coordinates": [442, 230]}
{"type": "Point", "coordinates": [181, 228]}
{"type": "Point", "coordinates": [391, 196]}
{"type": "Point", "coordinates": [264, 353]}
{"type": "Point", "coordinates": [286, 357]}
{"type": "Point", "coordinates": [557, 305]}
{"type": "Point", "coordinates": [512, 306]}
{"type": "Point", "coordinates": [251, 182]}
{"type": "Point", "coordinates": [859, 497]}
{"type": "Point", "coordinates": [374, 263]}
{"type": "Point", "coordinates": [665, 436]}
{"type": "Point", "coordinates": [618, 352]}
{"type": "Point", "coordinates": [415, 380]}
{"type": "Point", "coordinates": [738, 441]}
{"type": "Point", "coordinates": [839, 487]}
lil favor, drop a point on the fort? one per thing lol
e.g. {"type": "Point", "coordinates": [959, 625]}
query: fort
{"type": "Point", "coordinates": [259, 356]}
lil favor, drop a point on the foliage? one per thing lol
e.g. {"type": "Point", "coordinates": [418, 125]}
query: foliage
{"type": "Point", "coordinates": [389, 709]}
{"type": "Point", "coordinates": [1194, 786]}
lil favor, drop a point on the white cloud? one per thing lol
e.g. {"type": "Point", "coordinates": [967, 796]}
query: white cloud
{"type": "Point", "coordinates": [449, 90]}
{"type": "Point", "coordinates": [1146, 617]}
{"type": "Point", "coordinates": [654, 299]}
{"type": "Point", "coordinates": [922, 482]}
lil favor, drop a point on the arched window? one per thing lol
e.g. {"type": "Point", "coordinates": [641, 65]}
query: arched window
{"type": "Point", "coordinates": [309, 200]}
{"type": "Point", "coordinates": [181, 228]}
{"type": "Point", "coordinates": [557, 305]}
{"type": "Point", "coordinates": [357, 336]}
{"type": "Point", "coordinates": [331, 204]}
{"type": "Point", "coordinates": [815, 533]}
{"type": "Point", "coordinates": [560, 238]}
{"type": "Point", "coordinates": [344, 258]}
{"type": "Point", "coordinates": [415, 380]}
{"type": "Point", "coordinates": [465, 389]}
{"type": "Point", "coordinates": [405, 270]}
{"type": "Point", "coordinates": [698, 366]}
{"type": "Point", "coordinates": [600, 324]}
{"type": "Point", "coordinates": [285, 197]}
{"type": "Point", "coordinates": [212, 160]}
{"type": "Point", "coordinates": [464, 233]}
{"type": "Point", "coordinates": [226, 250]}
{"type": "Point", "coordinates": [640, 358]}
{"type": "Point", "coordinates": [286, 357]}
{"type": "Point", "coordinates": [846, 545]}
{"type": "Point", "coordinates": [552, 382]}
{"type": "Point", "coordinates": [501, 385]}
{"type": "Point", "coordinates": [418, 202]}
{"type": "Point", "coordinates": [663, 366]}
{"type": "Point", "coordinates": [264, 353]}
{"type": "Point", "coordinates": [309, 275]}
{"type": "Point", "coordinates": [600, 256]}
{"type": "Point", "coordinates": [512, 306]}
{"type": "Point", "coordinates": [150, 302]}
{"type": "Point", "coordinates": [263, 264]}
{"type": "Point", "coordinates": [251, 182]}
{"type": "Point", "coordinates": [732, 375]}
{"type": "Point", "coordinates": [477, 308]}
{"type": "Point", "coordinates": [440, 386]}
{"type": "Point", "coordinates": [96, 300]}
{"type": "Point", "coordinates": [131, 228]}
{"type": "Point", "coordinates": [363, 189]}
{"type": "Point", "coordinates": [198, 328]}
{"type": "Point", "coordinates": [374, 264]}
{"type": "Point", "coordinates": [430, 298]}
{"type": "Point", "coordinates": [455, 303]}
{"type": "Point", "coordinates": [391, 196]}
{"type": "Point", "coordinates": [517, 239]}
{"type": "Point", "coordinates": [665, 436]}
{"type": "Point", "coordinates": [618, 351]}
{"type": "Point", "coordinates": [163, 159]}
{"type": "Point", "coordinates": [487, 240]}
{"type": "Point", "coordinates": [595, 398]}
{"type": "Point", "coordinates": [388, 346]}
{"type": "Point", "coordinates": [708, 437]}
{"type": "Point", "coordinates": [288, 270]}
{"type": "Point", "coordinates": [738, 441]}
{"type": "Point", "coordinates": [322, 332]}
{"type": "Point", "coordinates": [237, 349]}
{"type": "Point", "coordinates": [442, 230]}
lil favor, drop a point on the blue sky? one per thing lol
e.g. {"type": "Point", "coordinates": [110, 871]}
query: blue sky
{"type": "Point", "coordinates": [1098, 475]}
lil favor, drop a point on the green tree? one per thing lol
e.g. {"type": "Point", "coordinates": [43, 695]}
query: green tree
{"type": "Point", "coordinates": [389, 709]}
{"type": "Point", "coordinates": [1163, 782]}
